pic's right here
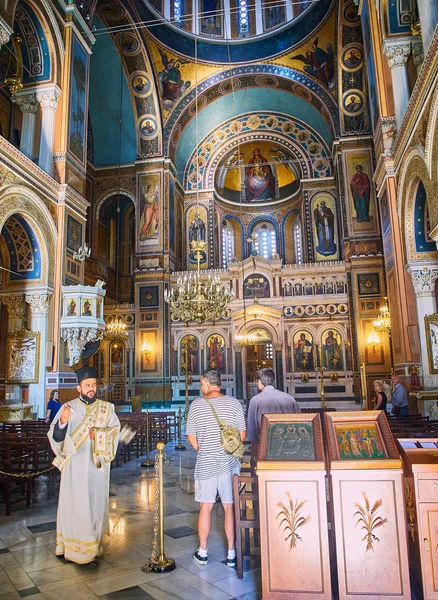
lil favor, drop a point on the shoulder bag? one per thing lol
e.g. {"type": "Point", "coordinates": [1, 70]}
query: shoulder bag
{"type": "Point", "coordinates": [230, 437]}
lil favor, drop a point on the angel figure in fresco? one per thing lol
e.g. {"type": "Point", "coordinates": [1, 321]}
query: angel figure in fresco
{"type": "Point", "coordinates": [259, 180]}
{"type": "Point", "coordinates": [171, 84]}
{"type": "Point", "coordinates": [149, 217]}
{"type": "Point", "coordinates": [319, 63]}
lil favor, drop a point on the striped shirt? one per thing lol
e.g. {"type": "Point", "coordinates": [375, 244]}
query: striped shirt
{"type": "Point", "coordinates": [211, 459]}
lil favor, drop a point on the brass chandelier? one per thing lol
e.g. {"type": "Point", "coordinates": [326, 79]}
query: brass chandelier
{"type": "Point", "coordinates": [195, 297]}
{"type": "Point", "coordinates": [383, 322]}
{"type": "Point", "coordinates": [116, 330]}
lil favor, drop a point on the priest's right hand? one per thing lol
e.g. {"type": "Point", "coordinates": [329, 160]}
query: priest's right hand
{"type": "Point", "coordinates": [65, 414]}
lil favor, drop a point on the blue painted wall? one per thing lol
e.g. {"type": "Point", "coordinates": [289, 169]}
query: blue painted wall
{"type": "Point", "coordinates": [19, 275]}
{"type": "Point", "coordinates": [110, 100]}
{"type": "Point", "coordinates": [246, 100]}
{"type": "Point", "coordinates": [422, 242]}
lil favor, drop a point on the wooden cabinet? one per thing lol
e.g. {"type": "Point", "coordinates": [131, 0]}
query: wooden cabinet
{"type": "Point", "coordinates": [428, 541]}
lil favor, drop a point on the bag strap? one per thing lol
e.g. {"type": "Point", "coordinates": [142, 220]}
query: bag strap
{"type": "Point", "coordinates": [215, 414]}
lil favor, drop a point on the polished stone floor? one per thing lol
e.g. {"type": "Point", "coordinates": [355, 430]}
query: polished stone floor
{"type": "Point", "coordinates": [30, 569]}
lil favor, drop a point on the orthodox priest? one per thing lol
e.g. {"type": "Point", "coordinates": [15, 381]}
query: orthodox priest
{"type": "Point", "coordinates": [84, 437]}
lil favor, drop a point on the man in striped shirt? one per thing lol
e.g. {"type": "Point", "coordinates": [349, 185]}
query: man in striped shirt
{"type": "Point", "coordinates": [214, 467]}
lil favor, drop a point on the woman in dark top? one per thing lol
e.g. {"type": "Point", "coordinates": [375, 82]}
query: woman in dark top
{"type": "Point", "coordinates": [381, 396]}
{"type": "Point", "coordinates": [53, 406]}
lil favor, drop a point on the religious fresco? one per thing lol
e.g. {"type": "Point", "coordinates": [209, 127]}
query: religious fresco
{"type": "Point", "coordinates": [325, 227]}
{"type": "Point", "coordinates": [116, 359]}
{"type": "Point", "coordinates": [303, 349]}
{"type": "Point", "coordinates": [361, 192]}
{"type": "Point", "coordinates": [141, 84]}
{"type": "Point", "coordinates": [368, 284]}
{"type": "Point", "coordinates": [172, 86]}
{"type": "Point", "coordinates": [189, 355]}
{"type": "Point", "coordinates": [332, 350]}
{"type": "Point", "coordinates": [74, 234]}
{"type": "Point", "coordinates": [211, 12]}
{"type": "Point", "coordinates": [216, 353]}
{"type": "Point", "coordinates": [290, 441]}
{"type": "Point", "coordinates": [71, 308]}
{"type": "Point", "coordinates": [86, 307]}
{"type": "Point", "coordinates": [257, 171]}
{"type": "Point", "coordinates": [196, 227]}
{"type": "Point", "coordinates": [149, 207]}
{"type": "Point", "coordinates": [147, 127]}
{"type": "Point", "coordinates": [256, 286]}
{"type": "Point", "coordinates": [172, 214]}
{"type": "Point", "coordinates": [78, 100]}
{"type": "Point", "coordinates": [319, 62]}
{"type": "Point", "coordinates": [373, 90]}
{"type": "Point", "coordinates": [359, 442]}
{"type": "Point", "coordinates": [274, 14]}
{"type": "Point", "coordinates": [128, 43]}
{"type": "Point", "coordinates": [148, 296]}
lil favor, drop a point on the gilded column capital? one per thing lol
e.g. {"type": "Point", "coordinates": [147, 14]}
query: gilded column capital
{"type": "Point", "coordinates": [48, 96]}
{"type": "Point", "coordinates": [417, 53]}
{"type": "Point", "coordinates": [397, 52]}
{"type": "Point", "coordinates": [423, 279]}
{"type": "Point", "coordinates": [5, 32]}
{"type": "Point", "coordinates": [39, 303]}
{"type": "Point", "coordinates": [27, 101]}
{"type": "Point", "coordinates": [15, 305]}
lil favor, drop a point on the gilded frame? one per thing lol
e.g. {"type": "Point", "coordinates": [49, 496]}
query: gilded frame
{"type": "Point", "coordinates": [16, 345]}
{"type": "Point", "coordinates": [431, 326]}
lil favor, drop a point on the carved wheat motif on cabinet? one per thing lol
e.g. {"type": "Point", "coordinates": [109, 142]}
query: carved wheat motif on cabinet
{"type": "Point", "coordinates": [370, 520]}
{"type": "Point", "coordinates": [410, 509]}
{"type": "Point", "coordinates": [292, 520]}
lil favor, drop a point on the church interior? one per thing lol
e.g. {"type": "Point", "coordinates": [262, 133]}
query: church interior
{"type": "Point", "coordinates": [219, 184]}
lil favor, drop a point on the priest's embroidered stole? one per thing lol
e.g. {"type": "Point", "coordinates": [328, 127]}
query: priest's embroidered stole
{"type": "Point", "coordinates": [97, 416]}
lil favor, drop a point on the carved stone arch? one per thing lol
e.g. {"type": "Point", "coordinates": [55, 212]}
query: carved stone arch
{"type": "Point", "coordinates": [49, 22]}
{"type": "Point", "coordinates": [20, 200]}
{"type": "Point", "coordinates": [102, 200]}
{"type": "Point", "coordinates": [262, 324]}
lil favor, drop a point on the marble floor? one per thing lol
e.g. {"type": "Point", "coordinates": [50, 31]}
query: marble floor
{"type": "Point", "coordinates": [30, 569]}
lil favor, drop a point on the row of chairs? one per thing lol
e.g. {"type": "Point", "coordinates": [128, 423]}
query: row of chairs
{"type": "Point", "coordinates": [413, 426]}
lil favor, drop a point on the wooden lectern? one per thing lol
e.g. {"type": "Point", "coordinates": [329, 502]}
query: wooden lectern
{"type": "Point", "coordinates": [293, 510]}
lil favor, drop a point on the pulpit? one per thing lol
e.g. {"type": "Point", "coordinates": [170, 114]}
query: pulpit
{"type": "Point", "coordinates": [369, 522]}
{"type": "Point", "coordinates": [420, 467]}
{"type": "Point", "coordinates": [293, 508]}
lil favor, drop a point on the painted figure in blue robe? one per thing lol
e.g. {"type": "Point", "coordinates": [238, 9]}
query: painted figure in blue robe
{"type": "Point", "coordinates": [211, 17]}
{"type": "Point", "coordinates": [325, 229]}
{"type": "Point", "coordinates": [259, 182]}
{"type": "Point", "coordinates": [331, 352]}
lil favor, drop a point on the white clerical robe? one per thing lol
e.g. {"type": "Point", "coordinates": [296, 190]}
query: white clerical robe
{"type": "Point", "coordinates": [85, 473]}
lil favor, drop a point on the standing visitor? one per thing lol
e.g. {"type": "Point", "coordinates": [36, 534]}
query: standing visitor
{"type": "Point", "coordinates": [53, 406]}
{"type": "Point", "coordinates": [381, 396]}
{"type": "Point", "coordinates": [214, 468]}
{"type": "Point", "coordinates": [399, 398]}
{"type": "Point", "coordinates": [84, 438]}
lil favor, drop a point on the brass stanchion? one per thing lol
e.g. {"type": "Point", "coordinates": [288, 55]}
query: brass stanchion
{"type": "Point", "coordinates": [180, 445]}
{"type": "Point", "coordinates": [162, 564]}
{"type": "Point", "coordinates": [363, 387]}
{"type": "Point", "coordinates": [148, 462]}
{"type": "Point", "coordinates": [321, 370]}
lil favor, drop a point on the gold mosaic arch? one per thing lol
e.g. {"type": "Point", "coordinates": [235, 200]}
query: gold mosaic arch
{"type": "Point", "coordinates": [431, 150]}
{"type": "Point", "coordinates": [413, 170]}
{"type": "Point", "coordinates": [23, 202]}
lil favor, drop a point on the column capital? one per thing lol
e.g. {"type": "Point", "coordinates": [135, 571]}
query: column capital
{"type": "Point", "coordinates": [39, 303]}
{"type": "Point", "coordinates": [423, 279]}
{"type": "Point", "coordinates": [389, 129]}
{"type": "Point", "coordinates": [27, 101]}
{"type": "Point", "coordinates": [278, 346]}
{"type": "Point", "coordinates": [397, 52]}
{"type": "Point", "coordinates": [5, 32]}
{"type": "Point", "coordinates": [237, 348]}
{"type": "Point", "coordinates": [47, 96]}
{"type": "Point", "coordinates": [15, 305]}
{"type": "Point", "coordinates": [418, 53]}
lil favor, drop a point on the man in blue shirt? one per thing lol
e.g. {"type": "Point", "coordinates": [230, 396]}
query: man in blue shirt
{"type": "Point", "coordinates": [399, 398]}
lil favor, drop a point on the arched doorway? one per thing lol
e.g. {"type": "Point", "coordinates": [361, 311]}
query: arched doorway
{"type": "Point", "coordinates": [258, 356]}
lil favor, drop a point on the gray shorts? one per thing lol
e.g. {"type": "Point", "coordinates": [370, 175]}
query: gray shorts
{"type": "Point", "coordinates": [207, 489]}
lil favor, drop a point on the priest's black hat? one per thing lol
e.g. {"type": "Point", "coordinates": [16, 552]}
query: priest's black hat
{"type": "Point", "coordinates": [86, 373]}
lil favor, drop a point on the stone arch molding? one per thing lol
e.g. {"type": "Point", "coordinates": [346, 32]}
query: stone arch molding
{"type": "Point", "coordinates": [431, 149]}
{"type": "Point", "coordinates": [101, 202]}
{"type": "Point", "coordinates": [21, 200]}
{"type": "Point", "coordinates": [261, 324]}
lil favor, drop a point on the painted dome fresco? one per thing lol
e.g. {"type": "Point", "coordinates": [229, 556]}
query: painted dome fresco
{"type": "Point", "coordinates": [258, 171]}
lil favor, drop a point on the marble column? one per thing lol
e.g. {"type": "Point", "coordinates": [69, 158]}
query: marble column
{"type": "Point", "coordinates": [28, 103]}
{"type": "Point", "coordinates": [428, 13]}
{"type": "Point", "coordinates": [417, 54]}
{"type": "Point", "coordinates": [279, 383]}
{"type": "Point", "coordinates": [16, 312]}
{"type": "Point", "coordinates": [423, 282]}
{"type": "Point", "coordinates": [39, 304]}
{"type": "Point", "coordinates": [238, 372]}
{"type": "Point", "coordinates": [48, 97]}
{"type": "Point", "coordinates": [397, 53]}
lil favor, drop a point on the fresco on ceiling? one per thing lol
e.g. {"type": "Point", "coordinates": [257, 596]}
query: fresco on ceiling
{"type": "Point", "coordinates": [78, 101]}
{"type": "Point", "coordinates": [274, 14]}
{"type": "Point", "coordinates": [172, 214]}
{"type": "Point", "coordinates": [319, 63]}
{"type": "Point", "coordinates": [172, 86]}
{"type": "Point", "coordinates": [257, 172]}
{"type": "Point", "coordinates": [361, 204]}
{"type": "Point", "coordinates": [211, 17]}
{"type": "Point", "coordinates": [325, 229]}
{"type": "Point", "coordinates": [371, 68]}
{"type": "Point", "coordinates": [149, 211]}
{"type": "Point", "coordinates": [141, 84]}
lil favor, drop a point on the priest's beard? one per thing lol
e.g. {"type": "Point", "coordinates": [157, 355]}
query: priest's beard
{"type": "Point", "coordinates": [89, 397]}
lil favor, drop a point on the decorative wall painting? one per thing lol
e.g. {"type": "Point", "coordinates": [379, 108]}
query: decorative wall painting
{"type": "Point", "coordinates": [303, 348]}
{"type": "Point", "coordinates": [170, 79]}
{"type": "Point", "coordinates": [189, 355]}
{"type": "Point", "coordinates": [71, 308]}
{"type": "Point", "coordinates": [325, 228]}
{"type": "Point", "coordinates": [149, 217]}
{"type": "Point", "coordinates": [212, 17]}
{"type": "Point", "coordinates": [332, 350]}
{"type": "Point", "coordinates": [216, 353]}
{"type": "Point", "coordinates": [86, 307]}
{"type": "Point", "coordinates": [74, 234]}
{"type": "Point", "coordinates": [359, 442]}
{"type": "Point", "coordinates": [431, 325]}
{"type": "Point", "coordinates": [361, 191]}
{"type": "Point", "coordinates": [172, 214]}
{"type": "Point", "coordinates": [256, 286]}
{"type": "Point", "coordinates": [22, 357]}
{"type": "Point", "coordinates": [290, 441]}
{"type": "Point", "coordinates": [196, 227]}
{"type": "Point", "coordinates": [116, 359]}
{"type": "Point", "coordinates": [78, 100]}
